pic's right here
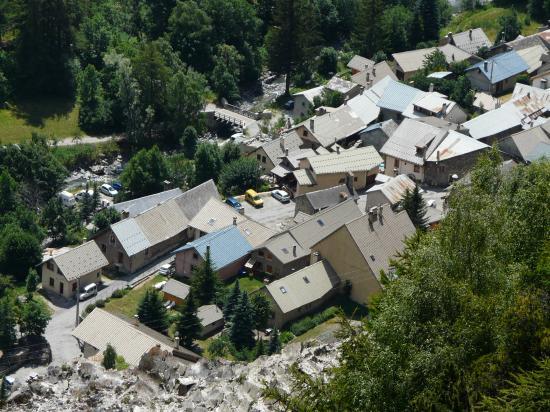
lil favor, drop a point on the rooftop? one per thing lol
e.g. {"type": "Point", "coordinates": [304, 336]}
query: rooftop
{"type": "Point", "coordinates": [354, 160]}
{"type": "Point", "coordinates": [322, 199]}
{"type": "Point", "coordinates": [209, 314]}
{"type": "Point", "coordinates": [80, 260]}
{"type": "Point", "coordinates": [303, 287]}
{"type": "Point", "coordinates": [500, 67]}
{"type": "Point", "coordinates": [364, 108]}
{"type": "Point", "coordinates": [215, 215]}
{"type": "Point", "coordinates": [455, 144]}
{"type": "Point", "coordinates": [368, 77]}
{"type": "Point", "coordinates": [176, 288]}
{"type": "Point", "coordinates": [532, 56]}
{"type": "Point", "coordinates": [359, 62]}
{"type": "Point", "coordinates": [413, 60]}
{"type": "Point", "coordinates": [398, 96]}
{"type": "Point", "coordinates": [136, 206]}
{"type": "Point", "coordinates": [337, 84]}
{"type": "Point", "coordinates": [393, 189]}
{"type": "Point", "coordinates": [471, 40]}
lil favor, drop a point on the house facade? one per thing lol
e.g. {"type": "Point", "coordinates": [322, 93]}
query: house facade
{"type": "Point", "coordinates": [497, 74]}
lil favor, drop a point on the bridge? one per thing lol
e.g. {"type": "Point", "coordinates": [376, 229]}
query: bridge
{"type": "Point", "coordinates": [233, 115]}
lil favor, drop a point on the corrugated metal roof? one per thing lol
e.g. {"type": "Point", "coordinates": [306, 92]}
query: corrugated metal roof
{"type": "Point", "coordinates": [439, 75]}
{"type": "Point", "coordinates": [215, 215]}
{"type": "Point", "coordinates": [471, 40]}
{"type": "Point", "coordinates": [176, 288]}
{"type": "Point", "coordinates": [501, 66]}
{"type": "Point", "coordinates": [130, 236]}
{"type": "Point", "coordinates": [413, 60]}
{"type": "Point", "coordinates": [359, 62]}
{"type": "Point", "coordinates": [394, 189]}
{"type": "Point", "coordinates": [533, 144]}
{"type": "Point", "coordinates": [131, 341]}
{"type": "Point", "coordinates": [303, 287]}
{"type": "Point", "coordinates": [532, 56]}
{"type": "Point", "coordinates": [162, 222]}
{"type": "Point", "coordinates": [363, 107]}
{"type": "Point", "coordinates": [209, 314]}
{"type": "Point", "coordinates": [136, 206]}
{"type": "Point", "coordinates": [381, 240]}
{"type": "Point", "coordinates": [397, 96]}
{"type": "Point", "coordinates": [81, 260]}
{"type": "Point", "coordinates": [355, 160]}
{"type": "Point", "coordinates": [454, 145]}
{"type": "Point", "coordinates": [226, 246]}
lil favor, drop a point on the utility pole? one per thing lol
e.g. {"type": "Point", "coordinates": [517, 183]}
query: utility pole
{"type": "Point", "coordinates": [77, 301]}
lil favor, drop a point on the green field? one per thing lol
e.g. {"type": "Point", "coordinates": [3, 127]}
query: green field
{"type": "Point", "coordinates": [247, 283]}
{"type": "Point", "coordinates": [487, 19]}
{"type": "Point", "coordinates": [128, 304]}
{"type": "Point", "coordinates": [51, 116]}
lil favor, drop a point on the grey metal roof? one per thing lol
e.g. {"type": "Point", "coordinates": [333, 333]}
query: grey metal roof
{"type": "Point", "coordinates": [176, 288]}
{"type": "Point", "coordinates": [365, 108]}
{"type": "Point", "coordinates": [130, 236]}
{"type": "Point", "coordinates": [359, 62]}
{"type": "Point", "coordinates": [275, 149]}
{"type": "Point", "coordinates": [398, 96]}
{"type": "Point", "coordinates": [403, 142]}
{"type": "Point", "coordinates": [81, 260]}
{"type": "Point", "coordinates": [209, 314]}
{"type": "Point", "coordinates": [255, 233]}
{"type": "Point", "coordinates": [454, 145]}
{"type": "Point", "coordinates": [394, 189]}
{"type": "Point", "coordinates": [352, 160]}
{"type": "Point", "coordinates": [162, 222]}
{"type": "Point", "coordinates": [136, 206]}
{"type": "Point", "coordinates": [325, 222]}
{"type": "Point", "coordinates": [523, 42]}
{"type": "Point", "coordinates": [303, 287]}
{"type": "Point", "coordinates": [194, 199]}
{"type": "Point", "coordinates": [413, 60]}
{"type": "Point", "coordinates": [501, 67]}
{"type": "Point", "coordinates": [533, 57]}
{"type": "Point", "coordinates": [337, 84]}
{"type": "Point", "coordinates": [215, 215]}
{"type": "Point", "coordinates": [381, 240]}
{"type": "Point", "coordinates": [531, 144]}
{"type": "Point", "coordinates": [322, 199]}
{"type": "Point", "coordinates": [304, 177]}
{"type": "Point", "coordinates": [471, 40]}
{"type": "Point", "coordinates": [285, 248]}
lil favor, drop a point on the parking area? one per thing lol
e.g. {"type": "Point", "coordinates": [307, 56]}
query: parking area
{"type": "Point", "coordinates": [274, 214]}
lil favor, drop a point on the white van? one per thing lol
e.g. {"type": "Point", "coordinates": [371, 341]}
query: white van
{"type": "Point", "coordinates": [88, 291]}
{"type": "Point", "coordinates": [67, 198]}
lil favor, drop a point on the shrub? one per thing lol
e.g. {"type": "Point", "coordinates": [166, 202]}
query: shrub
{"type": "Point", "coordinates": [117, 294]}
{"type": "Point", "coordinates": [218, 347]}
{"type": "Point", "coordinates": [100, 303]}
{"type": "Point", "coordinates": [286, 337]}
{"type": "Point", "coordinates": [328, 60]}
{"type": "Point", "coordinates": [309, 322]}
{"type": "Point", "coordinates": [89, 308]}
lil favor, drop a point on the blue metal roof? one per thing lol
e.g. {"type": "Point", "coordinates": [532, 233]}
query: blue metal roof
{"type": "Point", "coordinates": [397, 96]}
{"type": "Point", "coordinates": [501, 66]}
{"type": "Point", "coordinates": [226, 246]}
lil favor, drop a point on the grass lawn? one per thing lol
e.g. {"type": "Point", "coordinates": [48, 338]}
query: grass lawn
{"type": "Point", "coordinates": [52, 116]}
{"type": "Point", "coordinates": [128, 304]}
{"type": "Point", "coordinates": [247, 283]}
{"type": "Point", "coordinates": [328, 325]}
{"type": "Point", "coordinates": [487, 19]}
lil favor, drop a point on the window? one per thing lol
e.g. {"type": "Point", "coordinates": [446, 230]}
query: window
{"type": "Point", "coordinates": [258, 157]}
{"type": "Point", "coordinates": [120, 257]}
{"type": "Point", "coordinates": [355, 179]}
{"type": "Point", "coordinates": [195, 255]}
{"type": "Point", "coordinates": [59, 271]}
{"type": "Point", "coordinates": [103, 247]}
{"type": "Point", "coordinates": [263, 159]}
{"type": "Point", "coordinates": [283, 290]}
{"type": "Point", "coordinates": [304, 104]}
{"type": "Point", "coordinates": [320, 222]}
{"type": "Point", "coordinates": [306, 279]}
{"type": "Point", "coordinates": [304, 133]}
{"type": "Point", "coordinates": [372, 257]}
{"type": "Point", "coordinates": [269, 256]}
{"type": "Point", "coordinates": [97, 275]}
{"type": "Point", "coordinates": [192, 268]}
{"type": "Point", "coordinates": [49, 265]}
{"type": "Point", "coordinates": [74, 286]}
{"type": "Point", "coordinates": [395, 162]}
{"type": "Point", "coordinates": [342, 180]}
{"type": "Point", "coordinates": [416, 169]}
{"type": "Point", "coordinates": [285, 250]}
{"type": "Point", "coordinates": [269, 269]}
{"type": "Point", "coordinates": [52, 282]}
{"type": "Point", "coordinates": [147, 252]}
{"type": "Point", "coordinates": [112, 239]}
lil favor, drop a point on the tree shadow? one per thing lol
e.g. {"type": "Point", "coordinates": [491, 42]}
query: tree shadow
{"type": "Point", "coordinates": [35, 111]}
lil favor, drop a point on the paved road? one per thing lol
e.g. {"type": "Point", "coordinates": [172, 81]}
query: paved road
{"type": "Point", "coordinates": [274, 214]}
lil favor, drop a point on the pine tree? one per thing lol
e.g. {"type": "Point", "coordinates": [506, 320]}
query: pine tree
{"type": "Point", "coordinates": [109, 357]}
{"type": "Point", "coordinates": [260, 348]}
{"type": "Point", "coordinates": [274, 342]}
{"type": "Point", "coordinates": [242, 333]}
{"type": "Point", "coordinates": [366, 38]}
{"type": "Point", "coordinates": [431, 18]}
{"type": "Point", "coordinates": [151, 311]}
{"type": "Point", "coordinates": [205, 283]}
{"type": "Point", "coordinates": [31, 282]}
{"type": "Point", "coordinates": [232, 301]}
{"type": "Point", "coordinates": [261, 309]}
{"type": "Point", "coordinates": [189, 325]}
{"type": "Point", "coordinates": [414, 204]}
{"type": "Point", "coordinates": [7, 325]}
{"type": "Point", "coordinates": [3, 390]}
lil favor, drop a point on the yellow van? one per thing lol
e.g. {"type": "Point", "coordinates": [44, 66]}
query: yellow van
{"type": "Point", "coordinates": [253, 198]}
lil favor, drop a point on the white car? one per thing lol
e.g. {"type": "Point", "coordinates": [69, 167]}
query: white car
{"type": "Point", "coordinates": [88, 291]}
{"type": "Point", "coordinates": [108, 190]}
{"type": "Point", "coordinates": [165, 269]}
{"type": "Point", "coordinates": [281, 196]}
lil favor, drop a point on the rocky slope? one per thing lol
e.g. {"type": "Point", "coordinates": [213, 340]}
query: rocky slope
{"type": "Point", "coordinates": [161, 383]}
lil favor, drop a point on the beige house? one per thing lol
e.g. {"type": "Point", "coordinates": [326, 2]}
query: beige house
{"type": "Point", "coordinates": [62, 273]}
{"type": "Point", "coordinates": [358, 64]}
{"type": "Point", "coordinates": [269, 154]}
{"type": "Point", "coordinates": [361, 250]}
{"type": "Point", "coordinates": [301, 292]}
{"type": "Point", "coordinates": [211, 318]}
{"type": "Point", "coordinates": [333, 169]}
{"type": "Point", "coordinates": [390, 192]}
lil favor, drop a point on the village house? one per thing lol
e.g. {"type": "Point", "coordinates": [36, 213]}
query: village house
{"type": "Point", "coordinates": [130, 338]}
{"type": "Point", "coordinates": [134, 207]}
{"type": "Point", "coordinates": [64, 273]}
{"type": "Point", "coordinates": [377, 134]}
{"type": "Point", "coordinates": [371, 74]}
{"type": "Point", "coordinates": [533, 56]}
{"type": "Point", "coordinates": [313, 202]}
{"type": "Point", "coordinates": [358, 63]}
{"type": "Point", "coordinates": [529, 145]}
{"type": "Point", "coordinates": [390, 192]}
{"type": "Point", "coordinates": [484, 102]}
{"type": "Point", "coordinates": [290, 250]}
{"type": "Point", "coordinates": [134, 242]}
{"type": "Point", "coordinates": [300, 293]}
{"type": "Point", "coordinates": [175, 291]}
{"type": "Point", "coordinates": [470, 40]}
{"type": "Point", "coordinates": [213, 216]}
{"type": "Point", "coordinates": [211, 318]}
{"type": "Point", "coordinates": [497, 74]}
{"type": "Point", "coordinates": [541, 80]}
{"type": "Point", "coordinates": [291, 162]}
{"type": "Point", "coordinates": [325, 171]}
{"type": "Point", "coordinates": [428, 153]}
{"type": "Point", "coordinates": [409, 62]}
{"type": "Point", "coordinates": [361, 250]}
{"type": "Point", "coordinates": [228, 250]}
{"type": "Point", "coordinates": [269, 153]}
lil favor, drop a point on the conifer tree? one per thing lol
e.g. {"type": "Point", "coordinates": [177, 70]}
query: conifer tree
{"type": "Point", "coordinates": [414, 204]}
{"type": "Point", "coordinates": [366, 38]}
{"type": "Point", "coordinates": [31, 282]}
{"type": "Point", "coordinates": [274, 342]}
{"type": "Point", "coordinates": [109, 357]}
{"type": "Point", "coordinates": [232, 300]}
{"type": "Point", "coordinates": [260, 348]}
{"type": "Point", "coordinates": [7, 325]}
{"type": "Point", "coordinates": [205, 282]}
{"type": "Point", "coordinates": [151, 311]}
{"type": "Point", "coordinates": [242, 333]}
{"type": "Point", "coordinates": [189, 325]}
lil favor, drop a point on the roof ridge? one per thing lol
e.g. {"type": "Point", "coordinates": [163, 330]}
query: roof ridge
{"type": "Point", "coordinates": [74, 248]}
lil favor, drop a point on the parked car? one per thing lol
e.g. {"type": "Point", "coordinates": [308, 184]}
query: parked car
{"type": "Point", "coordinates": [82, 194]}
{"type": "Point", "coordinates": [117, 186]}
{"type": "Point", "coordinates": [88, 291]}
{"type": "Point", "coordinates": [159, 285]}
{"type": "Point", "coordinates": [108, 190]}
{"type": "Point", "coordinates": [234, 203]}
{"type": "Point", "coordinates": [281, 195]}
{"type": "Point", "coordinates": [67, 198]}
{"type": "Point", "coordinates": [253, 198]}
{"type": "Point", "coordinates": [166, 269]}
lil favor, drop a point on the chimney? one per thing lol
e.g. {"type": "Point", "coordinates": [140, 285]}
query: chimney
{"type": "Point", "coordinates": [431, 89]}
{"type": "Point", "coordinates": [346, 100]}
{"type": "Point", "coordinates": [485, 66]}
{"type": "Point", "coordinates": [368, 77]}
{"type": "Point", "coordinates": [444, 109]}
{"type": "Point", "coordinates": [125, 214]}
{"type": "Point", "coordinates": [349, 181]}
{"type": "Point", "coordinates": [282, 142]}
{"type": "Point", "coordinates": [470, 34]}
{"type": "Point", "coordinates": [337, 149]}
{"type": "Point", "coordinates": [235, 220]}
{"type": "Point", "coordinates": [51, 252]}
{"type": "Point", "coordinates": [373, 214]}
{"type": "Point", "coordinates": [343, 196]}
{"type": "Point", "coordinates": [380, 212]}
{"type": "Point", "coordinates": [208, 249]}
{"type": "Point", "coordinates": [374, 70]}
{"type": "Point", "coordinates": [294, 248]}
{"type": "Point", "coordinates": [312, 125]}
{"type": "Point", "coordinates": [286, 152]}
{"type": "Point", "coordinates": [453, 57]}
{"type": "Point", "coordinates": [314, 258]}
{"type": "Point", "coordinates": [450, 36]}
{"type": "Point", "coordinates": [437, 157]}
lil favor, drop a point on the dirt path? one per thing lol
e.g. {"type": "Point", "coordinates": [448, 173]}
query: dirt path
{"type": "Point", "coordinates": [71, 141]}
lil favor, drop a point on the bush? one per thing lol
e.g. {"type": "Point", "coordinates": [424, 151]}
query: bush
{"type": "Point", "coordinates": [100, 303]}
{"type": "Point", "coordinates": [90, 308]}
{"type": "Point", "coordinates": [218, 347]}
{"type": "Point", "coordinates": [286, 337]}
{"type": "Point", "coordinates": [309, 322]}
{"type": "Point", "coordinates": [117, 294]}
{"type": "Point", "coordinates": [328, 61]}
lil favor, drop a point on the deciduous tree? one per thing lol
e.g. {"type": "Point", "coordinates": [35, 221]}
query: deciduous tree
{"type": "Point", "coordinates": [34, 319]}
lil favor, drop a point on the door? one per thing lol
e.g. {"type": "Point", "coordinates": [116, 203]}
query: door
{"type": "Point", "coordinates": [61, 288]}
